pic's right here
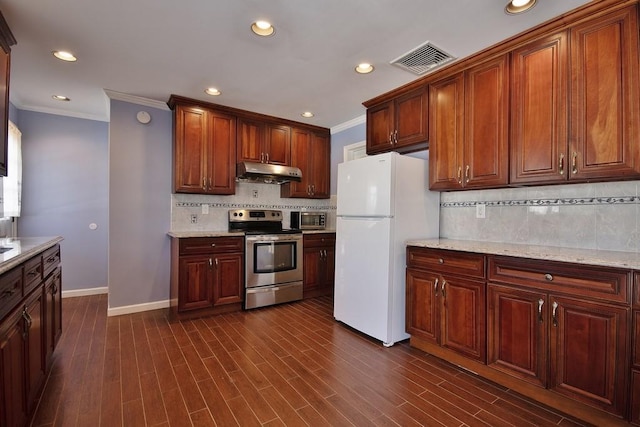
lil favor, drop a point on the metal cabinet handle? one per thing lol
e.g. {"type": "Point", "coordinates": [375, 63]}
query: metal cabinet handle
{"type": "Point", "coordinates": [210, 263]}
{"type": "Point", "coordinates": [395, 136]}
{"type": "Point", "coordinates": [548, 277]}
{"type": "Point", "coordinates": [540, 304]}
{"type": "Point", "coordinates": [466, 174]}
{"type": "Point", "coordinates": [213, 245]}
{"type": "Point", "coordinates": [440, 261]}
{"type": "Point", "coordinates": [210, 185]}
{"type": "Point", "coordinates": [435, 287]}
{"type": "Point", "coordinates": [216, 262]}
{"type": "Point", "coordinates": [391, 137]}
{"type": "Point", "coordinates": [204, 183]}
{"type": "Point", "coordinates": [444, 294]}
{"type": "Point", "coordinates": [554, 313]}
{"type": "Point", "coordinates": [460, 175]}
{"type": "Point", "coordinates": [574, 163]}
{"type": "Point", "coordinates": [267, 156]}
{"type": "Point", "coordinates": [561, 164]}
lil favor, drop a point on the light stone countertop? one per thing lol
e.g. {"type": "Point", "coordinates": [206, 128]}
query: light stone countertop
{"type": "Point", "coordinates": [23, 248]}
{"type": "Point", "coordinates": [187, 234]}
{"type": "Point", "coordinates": [552, 253]}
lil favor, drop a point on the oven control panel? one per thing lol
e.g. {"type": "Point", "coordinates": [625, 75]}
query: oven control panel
{"type": "Point", "coordinates": [254, 215]}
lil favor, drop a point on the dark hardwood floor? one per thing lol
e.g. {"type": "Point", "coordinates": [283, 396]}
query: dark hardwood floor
{"type": "Point", "coordinates": [287, 365]}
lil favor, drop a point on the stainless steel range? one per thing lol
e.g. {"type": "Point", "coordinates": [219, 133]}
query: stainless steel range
{"type": "Point", "coordinates": [273, 257]}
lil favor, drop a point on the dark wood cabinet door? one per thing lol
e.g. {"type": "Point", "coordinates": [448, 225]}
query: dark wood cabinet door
{"type": "Point", "coordinates": [229, 279]}
{"type": "Point", "coordinates": [329, 268]}
{"type": "Point", "coordinates": [221, 154]}
{"type": "Point", "coordinates": [312, 268]}
{"type": "Point", "coordinates": [380, 127]}
{"type": "Point", "coordinates": [320, 165]}
{"type": "Point", "coordinates": [636, 339]}
{"type": "Point", "coordinates": [13, 356]}
{"type": "Point", "coordinates": [278, 145]}
{"type": "Point", "coordinates": [190, 160]}
{"type": "Point", "coordinates": [539, 111]}
{"type": "Point", "coordinates": [486, 154]}
{"type": "Point", "coordinates": [422, 305]}
{"type": "Point", "coordinates": [251, 135]}
{"type": "Point", "coordinates": [411, 117]}
{"type": "Point", "coordinates": [589, 352]}
{"type": "Point", "coordinates": [5, 68]}
{"type": "Point", "coordinates": [463, 317]}
{"type": "Point", "coordinates": [605, 114]}
{"type": "Point", "coordinates": [35, 362]}
{"type": "Point", "coordinates": [53, 312]}
{"type": "Point", "coordinates": [196, 282]}
{"type": "Point", "coordinates": [517, 324]}
{"type": "Point", "coordinates": [300, 143]}
{"type": "Point", "coordinates": [446, 114]}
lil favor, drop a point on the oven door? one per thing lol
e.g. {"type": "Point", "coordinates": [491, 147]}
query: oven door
{"type": "Point", "coordinates": [273, 259]}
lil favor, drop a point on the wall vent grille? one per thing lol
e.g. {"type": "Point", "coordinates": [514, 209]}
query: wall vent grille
{"type": "Point", "coordinates": [423, 59]}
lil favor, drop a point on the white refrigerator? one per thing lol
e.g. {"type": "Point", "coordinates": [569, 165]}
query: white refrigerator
{"type": "Point", "coordinates": [383, 201]}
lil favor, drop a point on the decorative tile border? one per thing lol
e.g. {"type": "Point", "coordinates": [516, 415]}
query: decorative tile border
{"type": "Point", "coordinates": [252, 206]}
{"type": "Point", "coordinates": [626, 200]}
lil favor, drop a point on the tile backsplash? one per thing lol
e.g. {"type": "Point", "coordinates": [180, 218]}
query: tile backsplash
{"type": "Point", "coordinates": [590, 216]}
{"type": "Point", "coordinates": [248, 196]}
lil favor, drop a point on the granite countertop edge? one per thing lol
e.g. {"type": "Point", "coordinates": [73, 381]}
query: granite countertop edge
{"type": "Point", "coordinates": [597, 257]}
{"type": "Point", "coordinates": [188, 234]}
{"type": "Point", "coordinates": [24, 249]}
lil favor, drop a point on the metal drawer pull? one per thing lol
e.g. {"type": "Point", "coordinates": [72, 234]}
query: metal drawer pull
{"type": "Point", "coordinates": [213, 245]}
{"type": "Point", "coordinates": [540, 304]}
{"type": "Point", "coordinates": [440, 261]}
{"type": "Point", "coordinates": [460, 175]}
{"type": "Point", "coordinates": [553, 314]}
{"type": "Point", "coordinates": [210, 263]}
{"type": "Point", "coordinates": [444, 282]}
{"type": "Point", "coordinates": [574, 163]}
{"type": "Point", "coordinates": [435, 287]}
{"type": "Point", "coordinates": [561, 164]}
{"type": "Point", "coordinates": [548, 277]}
{"type": "Point", "coordinates": [466, 174]}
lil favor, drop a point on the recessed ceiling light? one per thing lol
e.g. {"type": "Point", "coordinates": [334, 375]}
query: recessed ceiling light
{"type": "Point", "coordinates": [364, 68]}
{"type": "Point", "coordinates": [61, 98]}
{"type": "Point", "coordinates": [64, 55]}
{"type": "Point", "coordinates": [212, 91]}
{"type": "Point", "coordinates": [307, 114]}
{"type": "Point", "coordinates": [519, 6]}
{"type": "Point", "coordinates": [263, 28]}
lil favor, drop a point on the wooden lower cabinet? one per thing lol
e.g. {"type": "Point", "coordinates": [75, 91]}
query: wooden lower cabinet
{"type": "Point", "coordinates": [556, 332]}
{"type": "Point", "coordinates": [28, 335]}
{"type": "Point", "coordinates": [207, 275]}
{"type": "Point", "coordinates": [319, 264]}
{"type": "Point", "coordinates": [445, 308]}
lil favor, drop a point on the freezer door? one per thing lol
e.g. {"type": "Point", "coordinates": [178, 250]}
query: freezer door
{"type": "Point", "coordinates": [364, 186]}
{"type": "Point", "coordinates": [362, 297]}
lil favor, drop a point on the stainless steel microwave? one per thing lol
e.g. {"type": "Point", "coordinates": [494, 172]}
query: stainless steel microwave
{"type": "Point", "coordinates": [308, 220]}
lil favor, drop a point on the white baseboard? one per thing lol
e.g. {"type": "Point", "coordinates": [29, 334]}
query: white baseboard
{"type": "Point", "coordinates": [85, 292]}
{"type": "Point", "coordinates": [137, 308]}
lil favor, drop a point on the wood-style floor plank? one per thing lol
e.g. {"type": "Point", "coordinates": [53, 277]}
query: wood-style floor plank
{"type": "Point", "coordinates": [286, 365]}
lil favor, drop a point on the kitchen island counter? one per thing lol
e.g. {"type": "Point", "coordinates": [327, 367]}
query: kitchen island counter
{"type": "Point", "coordinates": [551, 253]}
{"type": "Point", "coordinates": [22, 249]}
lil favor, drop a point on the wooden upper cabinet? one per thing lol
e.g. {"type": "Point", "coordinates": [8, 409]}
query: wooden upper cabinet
{"type": "Point", "coordinates": [539, 111]}
{"type": "Point", "coordinates": [6, 41]}
{"type": "Point", "coordinates": [575, 110]}
{"type": "Point", "coordinates": [401, 124]}
{"type": "Point", "coordinates": [205, 151]}
{"type": "Point", "coordinates": [261, 142]}
{"type": "Point", "coordinates": [605, 115]}
{"type": "Point", "coordinates": [311, 152]}
{"type": "Point", "coordinates": [487, 124]}
{"type": "Point", "coordinates": [469, 127]}
{"type": "Point", "coordinates": [446, 133]}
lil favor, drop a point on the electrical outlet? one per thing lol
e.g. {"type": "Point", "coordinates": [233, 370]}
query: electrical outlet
{"type": "Point", "coordinates": [205, 209]}
{"type": "Point", "coordinates": [480, 210]}
{"type": "Point", "coordinates": [194, 219]}
{"type": "Point", "coordinates": [255, 193]}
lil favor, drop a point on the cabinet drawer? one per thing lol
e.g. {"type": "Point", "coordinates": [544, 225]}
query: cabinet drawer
{"type": "Point", "coordinates": [10, 290]}
{"type": "Point", "coordinates": [318, 240]}
{"type": "Point", "coordinates": [50, 259]}
{"type": "Point", "coordinates": [444, 261]}
{"type": "Point", "coordinates": [208, 245]}
{"type": "Point", "coordinates": [610, 284]}
{"type": "Point", "coordinates": [32, 273]}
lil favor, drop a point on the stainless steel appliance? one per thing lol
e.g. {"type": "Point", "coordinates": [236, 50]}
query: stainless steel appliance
{"type": "Point", "coordinates": [308, 220]}
{"type": "Point", "coordinates": [273, 257]}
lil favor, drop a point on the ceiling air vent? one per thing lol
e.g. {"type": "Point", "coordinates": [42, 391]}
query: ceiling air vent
{"type": "Point", "coordinates": [423, 59]}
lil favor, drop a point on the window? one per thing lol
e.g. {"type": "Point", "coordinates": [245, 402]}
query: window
{"type": "Point", "coordinates": [12, 183]}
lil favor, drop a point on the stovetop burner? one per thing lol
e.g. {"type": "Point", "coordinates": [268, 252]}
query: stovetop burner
{"type": "Point", "coordinates": [258, 221]}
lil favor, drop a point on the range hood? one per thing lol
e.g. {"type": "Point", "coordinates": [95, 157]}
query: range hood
{"type": "Point", "coordinates": [267, 173]}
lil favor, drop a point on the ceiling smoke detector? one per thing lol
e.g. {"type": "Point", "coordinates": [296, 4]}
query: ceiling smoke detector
{"type": "Point", "coordinates": [423, 59]}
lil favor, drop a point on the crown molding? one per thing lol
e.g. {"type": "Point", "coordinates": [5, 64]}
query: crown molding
{"type": "Point", "coordinates": [119, 96]}
{"type": "Point", "coordinates": [349, 124]}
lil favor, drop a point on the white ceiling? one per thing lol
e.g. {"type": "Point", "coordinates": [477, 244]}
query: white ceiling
{"type": "Point", "coordinates": [154, 48]}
